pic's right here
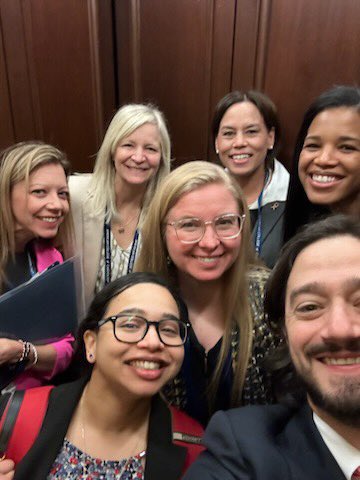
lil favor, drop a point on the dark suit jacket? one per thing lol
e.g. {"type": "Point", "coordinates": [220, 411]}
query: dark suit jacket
{"type": "Point", "coordinates": [272, 442]}
{"type": "Point", "coordinates": [163, 458]}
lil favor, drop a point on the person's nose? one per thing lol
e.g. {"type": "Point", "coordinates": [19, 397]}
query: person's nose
{"type": "Point", "coordinates": [326, 158]}
{"type": "Point", "coordinates": [341, 323]}
{"type": "Point", "coordinates": [54, 202]}
{"type": "Point", "coordinates": [138, 155]}
{"type": "Point", "coordinates": [152, 340]}
{"type": "Point", "coordinates": [210, 239]}
{"type": "Point", "coordinates": [239, 140]}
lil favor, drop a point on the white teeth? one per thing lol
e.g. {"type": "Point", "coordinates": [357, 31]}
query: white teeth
{"type": "Point", "coordinates": [323, 178]}
{"type": "Point", "coordinates": [240, 157]}
{"type": "Point", "coordinates": [49, 219]}
{"type": "Point", "coordinates": [207, 259]}
{"type": "Point", "coordinates": [146, 365]}
{"type": "Point", "coordinates": [342, 361]}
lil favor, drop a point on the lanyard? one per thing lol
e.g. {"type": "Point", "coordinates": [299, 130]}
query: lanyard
{"type": "Point", "coordinates": [107, 263]}
{"type": "Point", "coordinates": [258, 236]}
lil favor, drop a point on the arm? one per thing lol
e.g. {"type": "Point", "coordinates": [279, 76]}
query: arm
{"type": "Point", "coordinates": [222, 460]}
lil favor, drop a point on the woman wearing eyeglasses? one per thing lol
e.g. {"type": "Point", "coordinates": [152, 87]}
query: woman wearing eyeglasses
{"type": "Point", "coordinates": [112, 423]}
{"type": "Point", "coordinates": [197, 234]}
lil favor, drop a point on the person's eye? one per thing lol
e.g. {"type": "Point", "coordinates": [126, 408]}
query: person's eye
{"type": "Point", "coordinates": [38, 191]}
{"type": "Point", "coordinates": [347, 148]}
{"type": "Point", "coordinates": [128, 323]}
{"type": "Point", "coordinates": [310, 146]}
{"type": "Point", "coordinates": [252, 131]}
{"type": "Point", "coordinates": [126, 145]}
{"type": "Point", "coordinates": [228, 133]}
{"type": "Point", "coordinates": [188, 224]}
{"type": "Point", "coordinates": [308, 309]}
{"type": "Point", "coordinates": [64, 194]}
{"type": "Point", "coordinates": [169, 328]}
{"type": "Point", "coordinates": [152, 149]}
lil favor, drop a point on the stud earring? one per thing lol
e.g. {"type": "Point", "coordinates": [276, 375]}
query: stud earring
{"type": "Point", "coordinates": [90, 357]}
{"type": "Point", "coordinates": [217, 151]}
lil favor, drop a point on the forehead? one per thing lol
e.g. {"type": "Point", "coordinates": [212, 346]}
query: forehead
{"type": "Point", "coordinates": [153, 299]}
{"type": "Point", "coordinates": [206, 201]}
{"type": "Point", "coordinates": [342, 121]}
{"type": "Point", "coordinates": [329, 263]}
{"type": "Point", "coordinates": [146, 132]}
{"type": "Point", "coordinates": [242, 113]}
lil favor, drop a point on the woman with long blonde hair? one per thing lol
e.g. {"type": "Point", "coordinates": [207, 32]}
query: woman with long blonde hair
{"type": "Point", "coordinates": [110, 204]}
{"type": "Point", "coordinates": [35, 231]}
{"type": "Point", "coordinates": [197, 234]}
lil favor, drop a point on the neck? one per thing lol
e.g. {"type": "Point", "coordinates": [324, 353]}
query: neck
{"type": "Point", "coordinates": [22, 238]}
{"type": "Point", "coordinates": [350, 433]}
{"type": "Point", "coordinates": [351, 207]}
{"type": "Point", "coordinates": [203, 299]}
{"type": "Point", "coordinates": [128, 195]}
{"type": "Point", "coordinates": [252, 185]}
{"type": "Point", "coordinates": [122, 411]}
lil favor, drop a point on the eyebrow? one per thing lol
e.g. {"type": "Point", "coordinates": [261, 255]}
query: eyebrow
{"type": "Point", "coordinates": [318, 288]}
{"type": "Point", "coordinates": [142, 313]}
{"type": "Point", "coordinates": [342, 139]}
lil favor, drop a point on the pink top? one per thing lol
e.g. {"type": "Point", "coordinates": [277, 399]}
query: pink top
{"type": "Point", "coordinates": [45, 256]}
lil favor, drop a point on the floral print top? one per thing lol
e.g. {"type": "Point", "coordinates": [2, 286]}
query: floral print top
{"type": "Point", "coordinates": [73, 464]}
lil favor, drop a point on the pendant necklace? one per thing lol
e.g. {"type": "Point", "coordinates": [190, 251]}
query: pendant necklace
{"type": "Point", "coordinates": [121, 228]}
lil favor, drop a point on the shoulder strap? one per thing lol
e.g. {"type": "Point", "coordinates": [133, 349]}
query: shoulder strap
{"type": "Point", "coordinates": [188, 433]}
{"type": "Point", "coordinates": [11, 410]}
{"type": "Point", "coordinates": [28, 422]}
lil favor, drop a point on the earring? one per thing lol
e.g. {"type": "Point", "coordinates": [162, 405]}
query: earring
{"type": "Point", "coordinates": [272, 146]}
{"type": "Point", "coordinates": [217, 151]}
{"type": "Point", "coordinates": [168, 261]}
{"type": "Point", "coordinates": [90, 357]}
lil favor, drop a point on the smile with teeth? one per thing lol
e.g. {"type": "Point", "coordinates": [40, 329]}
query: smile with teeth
{"type": "Point", "coordinates": [146, 364]}
{"type": "Point", "coordinates": [208, 259]}
{"type": "Point", "coordinates": [323, 178]}
{"type": "Point", "coordinates": [341, 361]}
{"type": "Point", "coordinates": [49, 219]}
{"type": "Point", "coordinates": [242, 156]}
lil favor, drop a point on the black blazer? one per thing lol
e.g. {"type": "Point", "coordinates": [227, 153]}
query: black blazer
{"type": "Point", "coordinates": [271, 442]}
{"type": "Point", "coordinates": [163, 458]}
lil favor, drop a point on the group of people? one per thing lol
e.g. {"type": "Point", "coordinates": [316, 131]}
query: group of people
{"type": "Point", "coordinates": [208, 235]}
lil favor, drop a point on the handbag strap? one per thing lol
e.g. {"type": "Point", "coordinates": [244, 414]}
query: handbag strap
{"type": "Point", "coordinates": [12, 411]}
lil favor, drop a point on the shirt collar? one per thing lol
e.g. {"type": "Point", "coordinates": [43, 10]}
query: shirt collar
{"type": "Point", "coordinates": [347, 456]}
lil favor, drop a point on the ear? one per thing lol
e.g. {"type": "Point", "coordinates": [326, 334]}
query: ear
{"type": "Point", "coordinates": [90, 338]}
{"type": "Point", "coordinates": [271, 138]}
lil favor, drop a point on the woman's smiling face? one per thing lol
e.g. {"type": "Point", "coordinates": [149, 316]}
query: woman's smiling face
{"type": "Point", "coordinates": [138, 369]}
{"type": "Point", "coordinates": [209, 258]}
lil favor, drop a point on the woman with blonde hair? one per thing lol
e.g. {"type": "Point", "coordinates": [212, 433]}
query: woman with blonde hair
{"type": "Point", "coordinates": [35, 231]}
{"type": "Point", "coordinates": [110, 205]}
{"type": "Point", "coordinates": [197, 235]}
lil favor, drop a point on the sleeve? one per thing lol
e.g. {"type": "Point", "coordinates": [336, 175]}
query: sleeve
{"type": "Point", "coordinates": [222, 459]}
{"type": "Point", "coordinates": [64, 352]}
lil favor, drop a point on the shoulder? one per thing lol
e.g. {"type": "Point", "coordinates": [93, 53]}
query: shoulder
{"type": "Point", "coordinates": [257, 278]}
{"type": "Point", "coordinates": [79, 184]}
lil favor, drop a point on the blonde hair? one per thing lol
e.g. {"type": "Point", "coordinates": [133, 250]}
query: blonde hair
{"type": "Point", "coordinates": [153, 258]}
{"type": "Point", "coordinates": [127, 119]}
{"type": "Point", "coordinates": [16, 164]}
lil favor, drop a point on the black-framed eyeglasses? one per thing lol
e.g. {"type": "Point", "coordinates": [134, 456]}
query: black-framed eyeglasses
{"type": "Point", "coordinates": [192, 229]}
{"type": "Point", "coordinates": [129, 328]}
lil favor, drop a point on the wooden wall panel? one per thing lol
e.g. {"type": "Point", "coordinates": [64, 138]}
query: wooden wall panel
{"type": "Point", "coordinates": [56, 73]}
{"type": "Point", "coordinates": [7, 134]}
{"type": "Point", "coordinates": [311, 46]}
{"type": "Point", "coordinates": [167, 53]}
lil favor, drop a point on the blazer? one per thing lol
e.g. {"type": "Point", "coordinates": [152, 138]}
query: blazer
{"type": "Point", "coordinates": [164, 459]}
{"type": "Point", "coordinates": [272, 442]}
{"type": "Point", "coordinates": [89, 232]}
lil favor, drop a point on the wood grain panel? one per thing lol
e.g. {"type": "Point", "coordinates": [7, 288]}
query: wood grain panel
{"type": "Point", "coordinates": [7, 134]}
{"type": "Point", "coordinates": [167, 54]}
{"type": "Point", "coordinates": [312, 45]}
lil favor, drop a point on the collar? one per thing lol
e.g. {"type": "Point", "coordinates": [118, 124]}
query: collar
{"type": "Point", "coordinates": [276, 188]}
{"type": "Point", "coordinates": [347, 456]}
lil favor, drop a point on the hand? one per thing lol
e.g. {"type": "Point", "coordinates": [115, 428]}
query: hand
{"type": "Point", "coordinates": [7, 470]}
{"type": "Point", "coordinates": [10, 351]}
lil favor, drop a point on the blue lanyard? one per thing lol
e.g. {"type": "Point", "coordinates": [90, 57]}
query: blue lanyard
{"type": "Point", "coordinates": [107, 253]}
{"type": "Point", "coordinates": [258, 236]}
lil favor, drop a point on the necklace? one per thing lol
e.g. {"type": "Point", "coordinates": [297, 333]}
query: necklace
{"type": "Point", "coordinates": [122, 226]}
{"type": "Point", "coordinates": [84, 462]}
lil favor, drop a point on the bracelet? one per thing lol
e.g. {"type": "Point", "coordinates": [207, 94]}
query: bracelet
{"type": "Point", "coordinates": [35, 352]}
{"type": "Point", "coordinates": [25, 351]}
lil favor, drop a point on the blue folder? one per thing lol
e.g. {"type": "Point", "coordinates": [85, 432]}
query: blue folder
{"type": "Point", "coordinates": [43, 309]}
